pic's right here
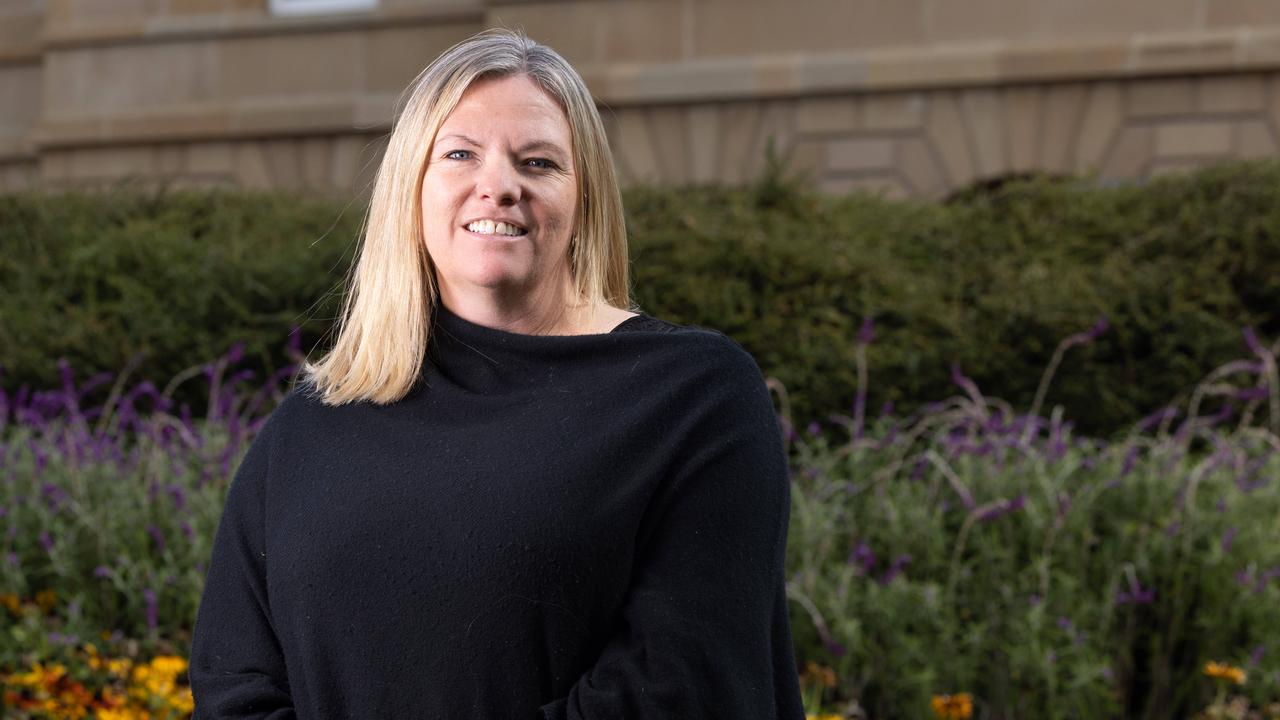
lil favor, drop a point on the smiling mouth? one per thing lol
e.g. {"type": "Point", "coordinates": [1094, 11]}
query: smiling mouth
{"type": "Point", "coordinates": [490, 228]}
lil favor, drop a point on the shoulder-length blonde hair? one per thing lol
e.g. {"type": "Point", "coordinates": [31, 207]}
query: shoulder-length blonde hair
{"type": "Point", "coordinates": [391, 291]}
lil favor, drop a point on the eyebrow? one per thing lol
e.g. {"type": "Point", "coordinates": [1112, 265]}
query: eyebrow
{"type": "Point", "coordinates": [532, 145]}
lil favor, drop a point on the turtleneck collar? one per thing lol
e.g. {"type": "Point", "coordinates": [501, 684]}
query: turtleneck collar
{"type": "Point", "coordinates": [487, 360]}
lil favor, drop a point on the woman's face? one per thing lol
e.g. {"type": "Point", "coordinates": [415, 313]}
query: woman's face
{"type": "Point", "coordinates": [499, 195]}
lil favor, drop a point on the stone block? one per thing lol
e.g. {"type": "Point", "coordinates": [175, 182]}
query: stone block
{"type": "Point", "coordinates": [123, 78]}
{"type": "Point", "coordinates": [332, 114]}
{"type": "Point", "coordinates": [774, 127]}
{"type": "Point", "coordinates": [918, 166]}
{"type": "Point", "coordinates": [1162, 98]}
{"type": "Point", "coordinates": [196, 7]}
{"type": "Point", "coordinates": [1193, 138]}
{"type": "Point", "coordinates": [856, 154]}
{"type": "Point", "coordinates": [703, 123]}
{"type": "Point", "coordinates": [184, 122]}
{"type": "Point", "coordinates": [393, 57]}
{"type": "Point", "coordinates": [893, 111]}
{"type": "Point", "coordinates": [667, 128]}
{"type": "Point", "coordinates": [251, 169]}
{"type": "Point", "coordinates": [1254, 139]}
{"type": "Point", "coordinates": [1189, 52]}
{"type": "Point", "coordinates": [1102, 119]}
{"type": "Point", "coordinates": [1024, 123]}
{"type": "Point", "coordinates": [283, 65]}
{"type": "Point", "coordinates": [979, 20]}
{"type": "Point", "coordinates": [20, 93]}
{"type": "Point", "coordinates": [1231, 93]}
{"type": "Point", "coordinates": [935, 66]}
{"type": "Point", "coordinates": [1130, 154]}
{"type": "Point", "coordinates": [985, 113]}
{"type": "Point", "coordinates": [1097, 18]}
{"type": "Point", "coordinates": [826, 114]}
{"type": "Point", "coordinates": [738, 122]}
{"type": "Point", "coordinates": [1241, 13]}
{"type": "Point", "coordinates": [1049, 60]}
{"type": "Point", "coordinates": [635, 148]}
{"type": "Point", "coordinates": [112, 162]}
{"type": "Point", "coordinates": [947, 131]}
{"type": "Point", "coordinates": [887, 187]}
{"type": "Point", "coordinates": [1064, 105]}
{"type": "Point", "coordinates": [575, 29]}
{"type": "Point", "coordinates": [210, 158]}
{"type": "Point", "coordinates": [651, 31]}
{"type": "Point", "coordinates": [749, 27]}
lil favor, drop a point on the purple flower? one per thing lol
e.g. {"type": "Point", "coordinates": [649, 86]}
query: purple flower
{"type": "Point", "coordinates": [46, 541]}
{"type": "Point", "coordinates": [1251, 340]}
{"type": "Point", "coordinates": [863, 556]}
{"type": "Point", "coordinates": [12, 558]}
{"type": "Point", "coordinates": [157, 537]}
{"type": "Point", "coordinates": [187, 532]}
{"type": "Point", "coordinates": [835, 648]}
{"type": "Point", "coordinates": [236, 353]}
{"type": "Point", "coordinates": [1004, 508]}
{"type": "Point", "coordinates": [1034, 600]}
{"type": "Point", "coordinates": [815, 429]}
{"type": "Point", "coordinates": [886, 409]}
{"type": "Point", "coordinates": [1136, 595]}
{"type": "Point", "coordinates": [867, 332]}
{"type": "Point", "coordinates": [1253, 393]}
{"type": "Point", "coordinates": [149, 597]}
{"type": "Point", "coordinates": [1255, 657]}
{"type": "Point", "coordinates": [1064, 623]}
{"type": "Point", "coordinates": [1227, 538]}
{"type": "Point", "coordinates": [895, 568]}
{"type": "Point", "coordinates": [1159, 416]}
{"type": "Point", "coordinates": [179, 496]}
{"type": "Point", "coordinates": [102, 571]}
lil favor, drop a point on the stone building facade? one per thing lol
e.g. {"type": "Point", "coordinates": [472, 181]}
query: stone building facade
{"type": "Point", "coordinates": [912, 98]}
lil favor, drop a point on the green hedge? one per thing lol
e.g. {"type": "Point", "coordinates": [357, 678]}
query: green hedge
{"type": "Point", "coordinates": [992, 281]}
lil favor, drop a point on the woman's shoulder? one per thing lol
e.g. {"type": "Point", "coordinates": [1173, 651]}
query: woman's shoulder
{"type": "Point", "coordinates": [706, 346]}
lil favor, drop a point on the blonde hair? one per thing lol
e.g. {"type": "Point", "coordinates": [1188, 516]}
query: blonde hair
{"type": "Point", "coordinates": [392, 294]}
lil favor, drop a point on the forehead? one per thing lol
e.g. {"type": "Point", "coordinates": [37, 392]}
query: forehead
{"type": "Point", "coordinates": [511, 105]}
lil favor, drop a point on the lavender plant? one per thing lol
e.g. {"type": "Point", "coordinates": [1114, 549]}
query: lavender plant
{"type": "Point", "coordinates": [971, 548]}
{"type": "Point", "coordinates": [110, 511]}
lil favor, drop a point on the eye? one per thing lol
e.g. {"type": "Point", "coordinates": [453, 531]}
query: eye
{"type": "Point", "coordinates": [547, 164]}
{"type": "Point", "coordinates": [450, 155]}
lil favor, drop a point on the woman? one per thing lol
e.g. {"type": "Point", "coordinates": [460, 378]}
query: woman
{"type": "Point", "coordinates": [503, 494]}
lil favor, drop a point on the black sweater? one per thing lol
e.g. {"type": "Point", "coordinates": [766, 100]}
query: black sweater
{"type": "Point", "coordinates": [580, 527]}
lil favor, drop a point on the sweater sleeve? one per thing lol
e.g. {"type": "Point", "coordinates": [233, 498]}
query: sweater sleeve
{"type": "Point", "coordinates": [704, 631]}
{"type": "Point", "coordinates": [237, 667]}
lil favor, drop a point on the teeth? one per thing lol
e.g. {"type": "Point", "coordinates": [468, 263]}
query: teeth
{"type": "Point", "coordinates": [489, 227]}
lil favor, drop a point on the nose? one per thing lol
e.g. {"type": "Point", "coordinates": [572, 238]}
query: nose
{"type": "Point", "coordinates": [499, 182]}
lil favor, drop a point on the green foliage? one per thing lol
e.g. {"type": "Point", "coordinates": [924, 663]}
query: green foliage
{"type": "Point", "coordinates": [992, 280]}
{"type": "Point", "coordinates": [178, 276]}
{"type": "Point", "coordinates": [1042, 609]}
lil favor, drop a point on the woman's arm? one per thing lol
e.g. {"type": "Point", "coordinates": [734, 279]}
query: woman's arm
{"type": "Point", "coordinates": [705, 632]}
{"type": "Point", "coordinates": [237, 668]}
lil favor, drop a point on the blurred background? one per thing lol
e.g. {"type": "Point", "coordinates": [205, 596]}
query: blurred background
{"type": "Point", "coordinates": [911, 97]}
{"type": "Point", "coordinates": [1010, 268]}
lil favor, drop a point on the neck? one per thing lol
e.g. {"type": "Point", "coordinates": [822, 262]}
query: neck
{"type": "Point", "coordinates": [548, 312]}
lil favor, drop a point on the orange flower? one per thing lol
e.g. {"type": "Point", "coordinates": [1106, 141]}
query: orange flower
{"type": "Point", "coordinates": [46, 599]}
{"type": "Point", "coordinates": [953, 707]}
{"type": "Point", "coordinates": [1223, 671]}
{"type": "Point", "coordinates": [815, 674]}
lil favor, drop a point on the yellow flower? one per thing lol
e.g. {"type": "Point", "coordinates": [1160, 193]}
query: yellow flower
{"type": "Point", "coordinates": [953, 707]}
{"type": "Point", "coordinates": [1224, 671]}
{"type": "Point", "coordinates": [815, 674]}
{"type": "Point", "coordinates": [169, 664]}
{"type": "Point", "coordinates": [12, 602]}
{"type": "Point", "coordinates": [46, 599]}
{"type": "Point", "coordinates": [119, 666]}
{"type": "Point", "coordinates": [182, 701]}
{"type": "Point", "coordinates": [828, 716]}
